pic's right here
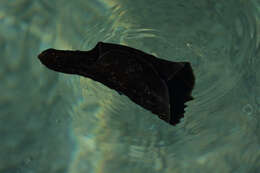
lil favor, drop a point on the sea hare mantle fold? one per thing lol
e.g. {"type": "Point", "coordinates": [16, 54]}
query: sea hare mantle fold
{"type": "Point", "coordinates": [157, 85]}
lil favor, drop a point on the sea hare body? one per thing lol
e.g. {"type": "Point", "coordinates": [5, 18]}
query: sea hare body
{"type": "Point", "coordinates": [157, 85]}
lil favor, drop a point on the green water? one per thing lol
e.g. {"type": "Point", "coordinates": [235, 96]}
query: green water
{"type": "Point", "coordinates": [56, 123]}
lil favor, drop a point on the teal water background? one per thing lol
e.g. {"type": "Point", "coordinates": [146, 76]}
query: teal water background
{"type": "Point", "coordinates": [57, 123]}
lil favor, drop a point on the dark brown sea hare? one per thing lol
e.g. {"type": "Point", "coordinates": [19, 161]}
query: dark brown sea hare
{"type": "Point", "coordinates": [157, 85]}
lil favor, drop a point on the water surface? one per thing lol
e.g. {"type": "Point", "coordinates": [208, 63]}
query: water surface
{"type": "Point", "coordinates": [51, 122]}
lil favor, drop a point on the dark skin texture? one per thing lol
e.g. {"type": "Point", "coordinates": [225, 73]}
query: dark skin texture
{"type": "Point", "coordinates": [157, 85]}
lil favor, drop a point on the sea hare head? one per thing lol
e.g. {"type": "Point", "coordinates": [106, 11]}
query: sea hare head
{"type": "Point", "coordinates": [60, 60]}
